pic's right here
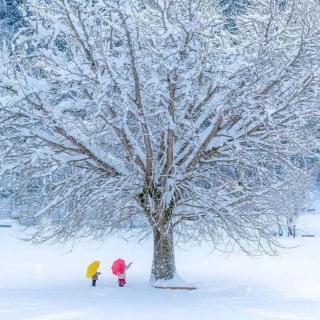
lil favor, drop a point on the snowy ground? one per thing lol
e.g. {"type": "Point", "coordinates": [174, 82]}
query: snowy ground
{"type": "Point", "coordinates": [48, 283]}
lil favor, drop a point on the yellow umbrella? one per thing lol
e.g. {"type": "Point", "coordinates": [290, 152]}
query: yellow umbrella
{"type": "Point", "coordinates": [92, 268]}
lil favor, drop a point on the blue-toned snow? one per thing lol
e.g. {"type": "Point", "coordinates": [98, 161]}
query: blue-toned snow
{"type": "Point", "coordinates": [48, 283]}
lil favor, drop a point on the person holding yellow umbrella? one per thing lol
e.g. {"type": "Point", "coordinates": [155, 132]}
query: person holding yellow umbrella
{"type": "Point", "coordinates": [92, 272]}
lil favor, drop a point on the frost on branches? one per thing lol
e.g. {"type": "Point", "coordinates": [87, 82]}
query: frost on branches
{"type": "Point", "coordinates": [149, 112]}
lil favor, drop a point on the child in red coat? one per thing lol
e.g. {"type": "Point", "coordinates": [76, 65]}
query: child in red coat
{"type": "Point", "coordinates": [119, 269]}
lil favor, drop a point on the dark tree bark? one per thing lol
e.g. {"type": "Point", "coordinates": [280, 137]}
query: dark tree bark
{"type": "Point", "coordinates": [163, 265]}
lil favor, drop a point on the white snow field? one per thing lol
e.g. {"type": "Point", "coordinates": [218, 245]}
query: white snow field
{"type": "Point", "coordinates": [48, 282]}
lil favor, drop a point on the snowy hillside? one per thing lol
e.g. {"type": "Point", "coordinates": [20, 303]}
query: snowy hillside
{"type": "Point", "coordinates": [48, 283]}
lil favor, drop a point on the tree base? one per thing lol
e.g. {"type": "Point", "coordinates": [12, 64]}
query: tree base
{"type": "Point", "coordinates": [177, 283]}
{"type": "Point", "coordinates": [176, 288]}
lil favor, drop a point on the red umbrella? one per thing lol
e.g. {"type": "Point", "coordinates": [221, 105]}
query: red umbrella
{"type": "Point", "coordinates": [118, 267]}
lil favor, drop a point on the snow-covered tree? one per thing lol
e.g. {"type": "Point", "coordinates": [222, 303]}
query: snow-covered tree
{"type": "Point", "coordinates": [9, 19]}
{"type": "Point", "coordinates": [149, 110]}
{"type": "Point", "coordinates": [291, 198]}
{"type": "Point", "coordinates": [231, 8]}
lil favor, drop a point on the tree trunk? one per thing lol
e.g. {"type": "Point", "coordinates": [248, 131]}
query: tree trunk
{"type": "Point", "coordinates": [163, 265]}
